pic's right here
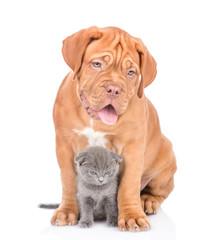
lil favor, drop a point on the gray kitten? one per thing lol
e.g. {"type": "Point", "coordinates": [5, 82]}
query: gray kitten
{"type": "Point", "coordinates": [97, 185]}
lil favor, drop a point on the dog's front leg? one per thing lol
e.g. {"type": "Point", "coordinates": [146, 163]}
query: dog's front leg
{"type": "Point", "coordinates": [131, 216]}
{"type": "Point", "coordinates": [67, 213]}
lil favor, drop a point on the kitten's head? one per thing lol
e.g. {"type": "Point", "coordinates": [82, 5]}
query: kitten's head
{"type": "Point", "coordinates": [97, 165]}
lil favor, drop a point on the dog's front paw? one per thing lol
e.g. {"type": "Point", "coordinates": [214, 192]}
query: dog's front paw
{"type": "Point", "coordinates": [64, 216]}
{"type": "Point", "coordinates": [85, 224]}
{"type": "Point", "coordinates": [134, 221]}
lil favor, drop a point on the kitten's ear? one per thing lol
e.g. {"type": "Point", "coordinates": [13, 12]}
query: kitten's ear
{"type": "Point", "coordinates": [80, 159]}
{"type": "Point", "coordinates": [116, 157]}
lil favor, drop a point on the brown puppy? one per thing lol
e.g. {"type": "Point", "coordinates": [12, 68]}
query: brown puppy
{"type": "Point", "coordinates": [101, 102]}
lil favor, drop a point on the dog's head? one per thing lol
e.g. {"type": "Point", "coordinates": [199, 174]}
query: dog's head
{"type": "Point", "coordinates": [107, 63]}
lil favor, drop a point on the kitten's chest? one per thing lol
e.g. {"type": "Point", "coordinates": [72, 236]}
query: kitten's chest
{"type": "Point", "coordinates": [99, 200]}
{"type": "Point", "coordinates": [99, 196]}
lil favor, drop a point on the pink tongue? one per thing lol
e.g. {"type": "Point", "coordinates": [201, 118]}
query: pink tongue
{"type": "Point", "coordinates": [108, 115]}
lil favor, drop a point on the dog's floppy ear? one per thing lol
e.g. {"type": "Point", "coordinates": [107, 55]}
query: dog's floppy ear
{"type": "Point", "coordinates": [74, 46]}
{"type": "Point", "coordinates": [148, 67]}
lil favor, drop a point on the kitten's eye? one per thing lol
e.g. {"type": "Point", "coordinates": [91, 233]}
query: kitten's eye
{"type": "Point", "coordinates": [108, 173]}
{"type": "Point", "coordinates": [96, 64]}
{"type": "Point", "coordinates": [92, 173]}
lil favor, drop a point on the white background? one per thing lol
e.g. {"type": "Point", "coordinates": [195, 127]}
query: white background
{"type": "Point", "coordinates": [183, 37]}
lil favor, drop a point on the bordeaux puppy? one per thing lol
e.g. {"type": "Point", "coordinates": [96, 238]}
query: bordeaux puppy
{"type": "Point", "coordinates": [101, 102]}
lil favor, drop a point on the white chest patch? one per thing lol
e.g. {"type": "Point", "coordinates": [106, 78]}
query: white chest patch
{"type": "Point", "coordinates": [95, 138]}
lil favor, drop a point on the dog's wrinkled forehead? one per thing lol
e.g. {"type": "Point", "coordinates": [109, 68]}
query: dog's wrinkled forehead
{"type": "Point", "coordinates": [119, 46]}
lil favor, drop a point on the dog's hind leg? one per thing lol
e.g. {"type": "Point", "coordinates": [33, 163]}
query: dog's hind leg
{"type": "Point", "coordinates": [158, 189]}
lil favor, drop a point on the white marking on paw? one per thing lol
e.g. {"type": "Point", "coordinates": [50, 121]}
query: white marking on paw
{"type": "Point", "coordinates": [95, 138]}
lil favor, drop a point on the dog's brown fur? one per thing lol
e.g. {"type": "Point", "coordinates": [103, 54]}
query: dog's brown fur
{"type": "Point", "coordinates": [148, 163]}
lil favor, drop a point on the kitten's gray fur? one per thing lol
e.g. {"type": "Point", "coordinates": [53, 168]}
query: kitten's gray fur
{"type": "Point", "coordinates": [97, 185]}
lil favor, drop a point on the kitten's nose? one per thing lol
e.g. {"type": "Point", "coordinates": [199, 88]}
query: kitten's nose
{"type": "Point", "coordinates": [101, 179]}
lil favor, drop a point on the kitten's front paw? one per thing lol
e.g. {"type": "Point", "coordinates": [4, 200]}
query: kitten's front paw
{"type": "Point", "coordinates": [85, 224]}
{"type": "Point", "coordinates": [113, 222]}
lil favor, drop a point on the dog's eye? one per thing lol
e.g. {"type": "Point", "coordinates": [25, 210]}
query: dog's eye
{"type": "Point", "coordinates": [92, 173]}
{"type": "Point", "coordinates": [96, 64]}
{"type": "Point", "coordinates": [131, 73]}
